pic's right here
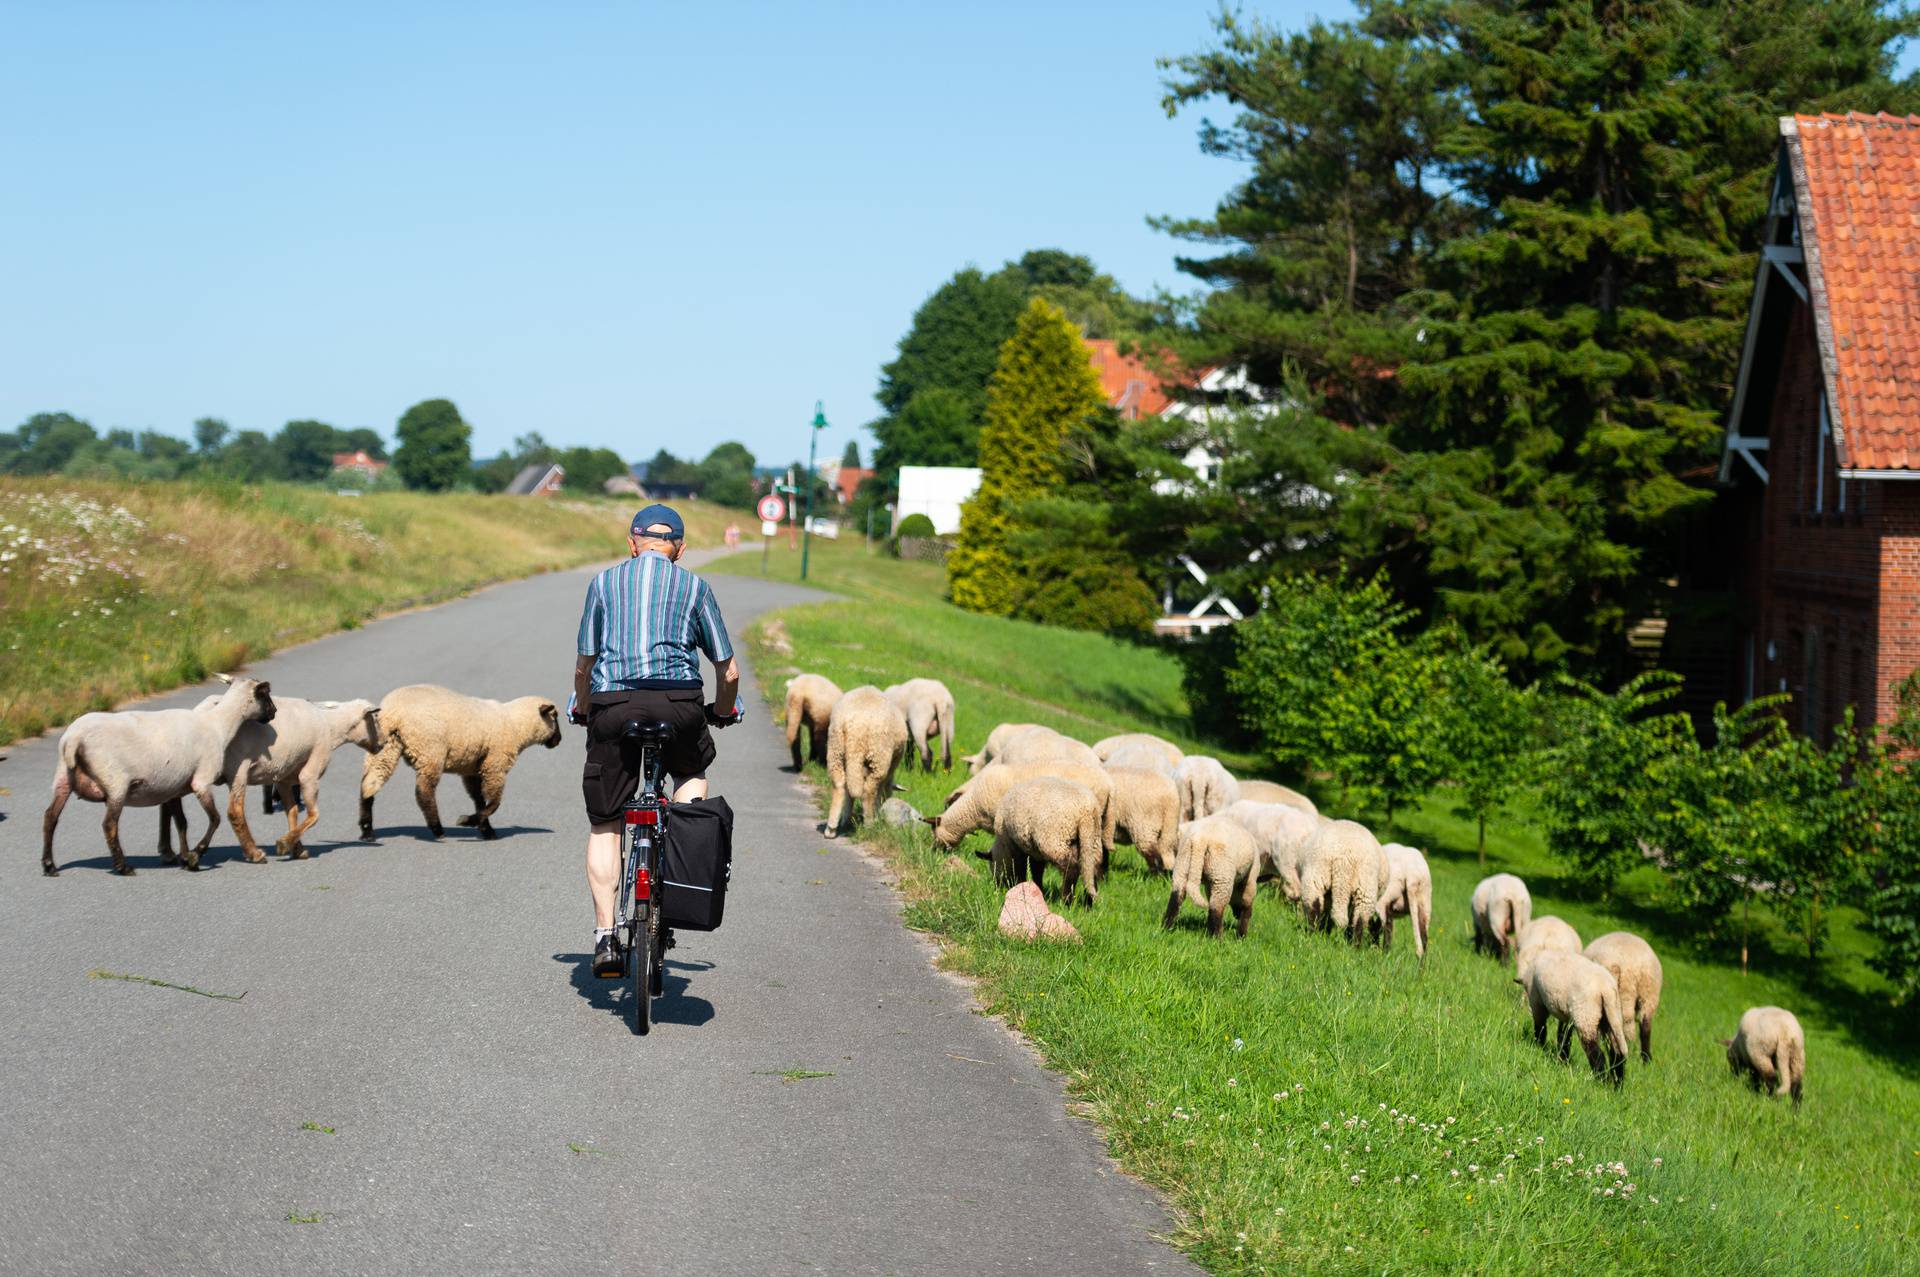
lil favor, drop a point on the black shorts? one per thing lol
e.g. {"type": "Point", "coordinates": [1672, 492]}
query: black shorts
{"type": "Point", "coordinates": [612, 775]}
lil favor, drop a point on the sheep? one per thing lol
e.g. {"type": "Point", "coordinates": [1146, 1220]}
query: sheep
{"type": "Point", "coordinates": [972, 804]}
{"type": "Point", "coordinates": [1409, 894]}
{"type": "Point", "coordinates": [1501, 910]}
{"type": "Point", "coordinates": [1771, 1047]}
{"type": "Point", "coordinates": [810, 702]}
{"type": "Point", "coordinates": [1146, 813]}
{"type": "Point", "coordinates": [1049, 820]}
{"type": "Point", "coordinates": [1044, 743]}
{"type": "Point", "coordinates": [1205, 786]}
{"type": "Point", "coordinates": [1582, 995]}
{"type": "Point", "coordinates": [437, 730]}
{"type": "Point", "coordinates": [1265, 791]}
{"type": "Point", "coordinates": [1141, 758]}
{"type": "Point", "coordinates": [1169, 753]}
{"type": "Point", "coordinates": [145, 758]}
{"type": "Point", "coordinates": [1342, 873]}
{"type": "Point", "coordinates": [1636, 970]}
{"type": "Point", "coordinates": [1218, 853]}
{"type": "Point", "coordinates": [865, 742]}
{"type": "Point", "coordinates": [928, 707]}
{"type": "Point", "coordinates": [1282, 834]}
{"type": "Point", "coordinates": [996, 742]}
{"type": "Point", "coordinates": [1547, 932]}
{"type": "Point", "coordinates": [289, 756]}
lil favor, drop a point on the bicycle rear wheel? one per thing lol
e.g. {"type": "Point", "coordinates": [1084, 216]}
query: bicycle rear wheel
{"type": "Point", "coordinates": [640, 964]}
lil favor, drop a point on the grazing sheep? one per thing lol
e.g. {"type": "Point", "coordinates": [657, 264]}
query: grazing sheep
{"type": "Point", "coordinates": [996, 744]}
{"type": "Point", "coordinates": [1501, 911]}
{"type": "Point", "coordinates": [1547, 932]}
{"type": "Point", "coordinates": [1282, 834]}
{"type": "Point", "coordinates": [1206, 786]}
{"type": "Point", "coordinates": [147, 758]}
{"type": "Point", "coordinates": [1409, 894]}
{"type": "Point", "coordinates": [1636, 970]}
{"type": "Point", "coordinates": [1582, 996]}
{"type": "Point", "coordinates": [1146, 813]}
{"type": "Point", "coordinates": [1045, 821]}
{"type": "Point", "coordinates": [1044, 743]}
{"type": "Point", "coordinates": [1772, 1048]}
{"type": "Point", "coordinates": [439, 731]}
{"type": "Point", "coordinates": [1169, 753]}
{"type": "Point", "coordinates": [865, 742]}
{"type": "Point", "coordinates": [1217, 853]}
{"type": "Point", "coordinates": [810, 702]}
{"type": "Point", "coordinates": [1265, 791]}
{"type": "Point", "coordinates": [1141, 758]}
{"type": "Point", "coordinates": [972, 804]}
{"type": "Point", "coordinates": [928, 707]}
{"type": "Point", "coordinates": [289, 755]}
{"type": "Point", "coordinates": [1342, 873]}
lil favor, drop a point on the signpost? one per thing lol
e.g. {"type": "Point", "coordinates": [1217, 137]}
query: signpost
{"type": "Point", "coordinates": [770, 509]}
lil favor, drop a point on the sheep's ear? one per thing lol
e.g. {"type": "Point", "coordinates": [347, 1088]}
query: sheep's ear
{"type": "Point", "coordinates": [930, 820]}
{"type": "Point", "coordinates": [225, 678]}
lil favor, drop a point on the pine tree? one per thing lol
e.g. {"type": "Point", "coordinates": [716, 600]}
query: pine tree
{"type": "Point", "coordinates": [1043, 388]}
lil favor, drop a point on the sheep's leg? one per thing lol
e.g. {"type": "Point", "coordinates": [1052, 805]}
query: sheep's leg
{"type": "Point", "coordinates": [1243, 906]}
{"type": "Point", "coordinates": [1421, 916]}
{"type": "Point", "coordinates": [1594, 1060]}
{"type": "Point", "coordinates": [1173, 906]}
{"type": "Point", "coordinates": [116, 803]}
{"type": "Point", "coordinates": [62, 790]}
{"type": "Point", "coordinates": [491, 787]}
{"type": "Point", "coordinates": [1386, 930]}
{"type": "Point", "coordinates": [1646, 1039]}
{"type": "Point", "coordinates": [472, 786]}
{"type": "Point", "coordinates": [293, 846]}
{"type": "Point", "coordinates": [946, 742]}
{"type": "Point", "coordinates": [1218, 894]}
{"type": "Point", "coordinates": [1565, 1040]}
{"type": "Point", "coordinates": [205, 794]}
{"type": "Point", "coordinates": [374, 774]}
{"type": "Point", "coordinates": [1539, 1026]}
{"type": "Point", "coordinates": [793, 735]}
{"type": "Point", "coordinates": [1003, 862]}
{"type": "Point", "coordinates": [426, 792]}
{"type": "Point", "coordinates": [172, 813]}
{"type": "Point", "coordinates": [237, 817]}
{"type": "Point", "coordinates": [836, 808]}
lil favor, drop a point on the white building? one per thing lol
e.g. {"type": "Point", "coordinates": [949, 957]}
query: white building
{"type": "Point", "coordinates": [937, 492]}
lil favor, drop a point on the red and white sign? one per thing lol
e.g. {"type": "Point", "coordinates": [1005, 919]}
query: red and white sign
{"type": "Point", "coordinates": [771, 508]}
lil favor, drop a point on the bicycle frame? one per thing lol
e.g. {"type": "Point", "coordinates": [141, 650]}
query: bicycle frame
{"type": "Point", "coordinates": [636, 909]}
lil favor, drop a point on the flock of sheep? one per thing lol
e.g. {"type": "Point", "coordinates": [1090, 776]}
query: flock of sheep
{"type": "Point", "coordinates": [247, 737]}
{"type": "Point", "coordinates": [1051, 800]}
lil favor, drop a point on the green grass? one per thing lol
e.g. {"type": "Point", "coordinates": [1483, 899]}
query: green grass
{"type": "Point", "coordinates": [111, 590]}
{"type": "Point", "coordinates": [1181, 1046]}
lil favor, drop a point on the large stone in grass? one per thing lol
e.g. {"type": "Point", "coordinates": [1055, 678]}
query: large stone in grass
{"type": "Point", "coordinates": [1024, 912]}
{"type": "Point", "coordinates": [1054, 927]}
{"type": "Point", "coordinates": [898, 811]}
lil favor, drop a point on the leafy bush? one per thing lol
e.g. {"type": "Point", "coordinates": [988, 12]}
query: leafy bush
{"type": "Point", "coordinates": [916, 525]}
{"type": "Point", "coordinates": [1073, 571]}
{"type": "Point", "coordinates": [1487, 733]}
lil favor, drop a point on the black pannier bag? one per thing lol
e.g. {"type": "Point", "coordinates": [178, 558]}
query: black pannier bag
{"type": "Point", "coordinates": [696, 864]}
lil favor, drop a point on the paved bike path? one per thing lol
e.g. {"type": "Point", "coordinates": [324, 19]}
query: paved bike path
{"type": "Point", "coordinates": [490, 1111]}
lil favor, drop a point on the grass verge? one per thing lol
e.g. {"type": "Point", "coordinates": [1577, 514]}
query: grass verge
{"type": "Point", "coordinates": [1312, 1109]}
{"type": "Point", "coordinates": [112, 590]}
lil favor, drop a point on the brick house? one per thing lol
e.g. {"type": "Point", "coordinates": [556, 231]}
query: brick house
{"type": "Point", "coordinates": [1822, 449]}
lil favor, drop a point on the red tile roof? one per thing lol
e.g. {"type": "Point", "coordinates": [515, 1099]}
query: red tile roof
{"type": "Point", "coordinates": [1131, 385]}
{"type": "Point", "coordinates": [847, 481]}
{"type": "Point", "coordinates": [1856, 185]}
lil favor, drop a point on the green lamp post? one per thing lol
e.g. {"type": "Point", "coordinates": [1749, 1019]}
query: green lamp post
{"type": "Point", "coordinates": [806, 525]}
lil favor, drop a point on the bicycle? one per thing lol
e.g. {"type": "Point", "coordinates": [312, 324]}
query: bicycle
{"type": "Point", "coordinates": [643, 832]}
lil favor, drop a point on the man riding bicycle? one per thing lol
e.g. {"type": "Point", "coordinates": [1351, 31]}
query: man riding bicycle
{"type": "Point", "coordinates": [644, 623]}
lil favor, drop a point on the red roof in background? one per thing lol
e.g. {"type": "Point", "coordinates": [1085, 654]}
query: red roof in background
{"type": "Point", "coordinates": [1857, 185]}
{"type": "Point", "coordinates": [847, 481]}
{"type": "Point", "coordinates": [1132, 387]}
{"type": "Point", "coordinates": [356, 460]}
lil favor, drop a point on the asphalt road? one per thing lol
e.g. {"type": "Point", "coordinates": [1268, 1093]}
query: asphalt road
{"type": "Point", "coordinates": [490, 1111]}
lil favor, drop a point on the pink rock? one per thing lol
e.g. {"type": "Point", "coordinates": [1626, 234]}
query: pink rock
{"type": "Point", "coordinates": [1054, 927]}
{"type": "Point", "coordinates": [1024, 912]}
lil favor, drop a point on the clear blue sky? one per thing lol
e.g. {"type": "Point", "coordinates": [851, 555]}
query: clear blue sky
{"type": "Point", "coordinates": [628, 225]}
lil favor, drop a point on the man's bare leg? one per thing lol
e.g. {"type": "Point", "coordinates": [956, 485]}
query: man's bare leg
{"type": "Point", "coordinates": [603, 856]}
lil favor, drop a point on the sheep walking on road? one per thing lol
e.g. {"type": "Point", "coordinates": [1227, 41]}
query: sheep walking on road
{"type": "Point", "coordinates": [1049, 821]}
{"type": "Point", "coordinates": [1501, 910]}
{"type": "Point", "coordinates": [290, 756]}
{"type": "Point", "coordinates": [1582, 996]}
{"type": "Point", "coordinates": [438, 731]}
{"type": "Point", "coordinates": [1771, 1048]}
{"type": "Point", "coordinates": [147, 758]}
{"type": "Point", "coordinates": [810, 702]}
{"type": "Point", "coordinates": [865, 742]}
{"type": "Point", "coordinates": [1215, 859]}
{"type": "Point", "coordinates": [1636, 970]}
{"type": "Point", "coordinates": [1409, 895]}
{"type": "Point", "coordinates": [928, 707]}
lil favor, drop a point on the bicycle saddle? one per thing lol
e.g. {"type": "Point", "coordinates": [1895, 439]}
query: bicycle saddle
{"type": "Point", "coordinates": [647, 733]}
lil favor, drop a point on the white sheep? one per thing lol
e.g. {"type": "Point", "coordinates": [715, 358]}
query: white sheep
{"type": "Point", "coordinates": [1146, 813]}
{"type": "Point", "coordinates": [1265, 791]}
{"type": "Point", "coordinates": [996, 743]}
{"type": "Point", "coordinates": [1501, 910]}
{"type": "Point", "coordinates": [1042, 743]}
{"type": "Point", "coordinates": [147, 758]}
{"type": "Point", "coordinates": [928, 707]}
{"type": "Point", "coordinates": [1049, 821]}
{"type": "Point", "coordinates": [810, 702]}
{"type": "Point", "coordinates": [1215, 859]}
{"type": "Point", "coordinates": [1169, 753]}
{"type": "Point", "coordinates": [1283, 836]}
{"type": "Point", "coordinates": [1141, 758]}
{"type": "Point", "coordinates": [1409, 894]}
{"type": "Point", "coordinates": [438, 731]}
{"type": "Point", "coordinates": [290, 755]}
{"type": "Point", "coordinates": [972, 804]}
{"type": "Point", "coordinates": [1636, 970]}
{"type": "Point", "coordinates": [1342, 873]}
{"type": "Point", "coordinates": [1206, 786]}
{"type": "Point", "coordinates": [1582, 996]}
{"type": "Point", "coordinates": [1771, 1048]}
{"type": "Point", "coordinates": [865, 742]}
{"type": "Point", "coordinates": [1547, 932]}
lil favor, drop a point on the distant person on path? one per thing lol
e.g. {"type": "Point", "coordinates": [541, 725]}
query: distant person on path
{"type": "Point", "coordinates": [733, 535]}
{"type": "Point", "coordinates": [644, 625]}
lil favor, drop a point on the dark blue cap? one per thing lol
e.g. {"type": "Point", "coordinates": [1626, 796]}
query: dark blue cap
{"type": "Point", "coordinates": [655, 516]}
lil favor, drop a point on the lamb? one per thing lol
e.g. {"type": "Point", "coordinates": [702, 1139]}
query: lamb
{"type": "Point", "coordinates": [1547, 932]}
{"type": "Point", "coordinates": [1169, 753]}
{"type": "Point", "coordinates": [1283, 835]}
{"type": "Point", "coordinates": [928, 707]}
{"type": "Point", "coordinates": [437, 730]}
{"type": "Point", "coordinates": [1501, 910]}
{"type": "Point", "coordinates": [810, 702]}
{"type": "Point", "coordinates": [1636, 970]}
{"type": "Point", "coordinates": [1409, 894]}
{"type": "Point", "coordinates": [1049, 820]}
{"type": "Point", "coordinates": [865, 742]}
{"type": "Point", "coordinates": [1218, 853]}
{"type": "Point", "coordinates": [1582, 995]}
{"type": "Point", "coordinates": [1044, 743]}
{"type": "Point", "coordinates": [1265, 791]}
{"type": "Point", "coordinates": [146, 758]}
{"type": "Point", "coordinates": [971, 806]}
{"type": "Point", "coordinates": [1205, 786]}
{"type": "Point", "coordinates": [1146, 813]}
{"type": "Point", "coordinates": [1771, 1047]}
{"type": "Point", "coordinates": [1342, 873]}
{"type": "Point", "coordinates": [290, 757]}
{"type": "Point", "coordinates": [1141, 758]}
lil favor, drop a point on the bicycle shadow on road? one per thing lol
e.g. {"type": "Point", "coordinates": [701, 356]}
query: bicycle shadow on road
{"type": "Point", "coordinates": [674, 1005]}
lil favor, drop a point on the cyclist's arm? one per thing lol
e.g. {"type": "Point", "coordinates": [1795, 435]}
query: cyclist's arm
{"type": "Point", "coordinates": [726, 675]}
{"type": "Point", "coordinates": [583, 683]}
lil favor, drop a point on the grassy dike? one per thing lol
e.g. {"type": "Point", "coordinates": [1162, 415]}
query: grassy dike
{"type": "Point", "coordinates": [1307, 1108]}
{"type": "Point", "coordinates": [112, 590]}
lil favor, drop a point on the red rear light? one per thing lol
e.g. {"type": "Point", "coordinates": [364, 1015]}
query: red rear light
{"type": "Point", "coordinates": [642, 886]}
{"type": "Point", "coordinates": [643, 815]}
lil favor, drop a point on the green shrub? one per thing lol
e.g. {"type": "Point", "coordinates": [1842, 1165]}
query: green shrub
{"type": "Point", "coordinates": [916, 525]}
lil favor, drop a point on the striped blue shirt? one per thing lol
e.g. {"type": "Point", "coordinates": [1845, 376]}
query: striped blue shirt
{"type": "Point", "coordinates": [644, 621]}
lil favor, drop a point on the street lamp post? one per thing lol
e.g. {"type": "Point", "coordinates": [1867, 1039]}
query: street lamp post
{"type": "Point", "coordinates": [813, 442]}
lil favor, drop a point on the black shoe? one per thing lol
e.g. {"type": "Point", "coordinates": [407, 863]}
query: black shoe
{"type": "Point", "coordinates": [609, 962]}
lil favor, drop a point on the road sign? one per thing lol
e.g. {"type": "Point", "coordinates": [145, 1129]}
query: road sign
{"type": "Point", "coordinates": [771, 509]}
{"type": "Point", "coordinates": [769, 528]}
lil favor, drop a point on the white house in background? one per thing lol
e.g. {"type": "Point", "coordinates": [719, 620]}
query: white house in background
{"type": "Point", "coordinates": [937, 492]}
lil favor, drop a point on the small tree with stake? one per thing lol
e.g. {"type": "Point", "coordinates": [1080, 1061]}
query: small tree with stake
{"type": "Point", "coordinates": [1487, 733]}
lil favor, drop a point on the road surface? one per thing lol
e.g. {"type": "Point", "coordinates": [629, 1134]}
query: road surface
{"type": "Point", "coordinates": [487, 1108]}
